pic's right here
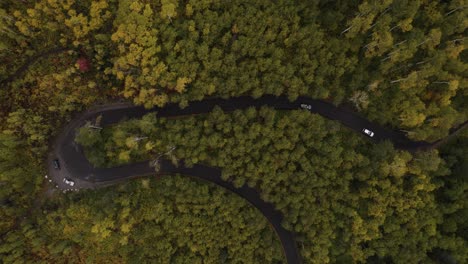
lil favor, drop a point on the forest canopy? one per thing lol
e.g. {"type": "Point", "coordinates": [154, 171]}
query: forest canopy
{"type": "Point", "coordinates": [337, 191]}
{"type": "Point", "coordinates": [399, 63]}
{"type": "Point", "coordinates": [172, 220]}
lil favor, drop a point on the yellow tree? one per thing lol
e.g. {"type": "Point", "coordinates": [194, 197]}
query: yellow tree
{"type": "Point", "coordinates": [137, 63]}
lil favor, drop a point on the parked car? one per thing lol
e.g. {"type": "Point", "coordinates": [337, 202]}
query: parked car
{"type": "Point", "coordinates": [68, 181]}
{"type": "Point", "coordinates": [368, 132]}
{"type": "Point", "coordinates": [56, 164]}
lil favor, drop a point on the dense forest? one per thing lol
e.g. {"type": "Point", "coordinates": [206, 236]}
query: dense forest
{"type": "Point", "coordinates": [337, 191]}
{"type": "Point", "coordinates": [399, 63]}
{"type": "Point", "coordinates": [173, 220]}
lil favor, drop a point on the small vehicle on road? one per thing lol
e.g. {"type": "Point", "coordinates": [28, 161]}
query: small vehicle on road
{"type": "Point", "coordinates": [368, 132]}
{"type": "Point", "coordinates": [306, 106]}
{"type": "Point", "coordinates": [56, 164]}
{"type": "Point", "coordinates": [68, 181]}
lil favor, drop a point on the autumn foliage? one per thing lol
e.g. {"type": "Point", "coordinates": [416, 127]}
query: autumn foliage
{"type": "Point", "coordinates": [399, 63]}
{"type": "Point", "coordinates": [83, 64]}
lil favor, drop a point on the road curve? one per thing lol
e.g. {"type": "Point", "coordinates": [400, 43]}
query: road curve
{"type": "Point", "coordinates": [29, 62]}
{"type": "Point", "coordinates": [74, 164]}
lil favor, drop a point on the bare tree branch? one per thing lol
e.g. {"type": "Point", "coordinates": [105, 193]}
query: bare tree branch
{"type": "Point", "coordinates": [399, 80]}
{"type": "Point", "coordinates": [421, 62]}
{"type": "Point", "coordinates": [423, 42]}
{"type": "Point", "coordinates": [137, 139]}
{"type": "Point", "coordinates": [458, 8]}
{"type": "Point", "coordinates": [393, 28]}
{"type": "Point", "coordinates": [399, 43]}
{"type": "Point", "coordinates": [346, 30]}
{"type": "Point", "coordinates": [457, 40]}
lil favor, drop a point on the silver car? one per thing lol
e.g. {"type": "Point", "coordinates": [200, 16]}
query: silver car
{"type": "Point", "coordinates": [68, 181]}
{"type": "Point", "coordinates": [368, 132]}
{"type": "Point", "coordinates": [306, 106]}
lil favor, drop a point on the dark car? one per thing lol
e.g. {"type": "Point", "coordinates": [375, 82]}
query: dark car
{"type": "Point", "coordinates": [56, 164]}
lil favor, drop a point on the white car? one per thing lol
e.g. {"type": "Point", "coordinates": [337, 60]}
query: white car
{"type": "Point", "coordinates": [306, 106]}
{"type": "Point", "coordinates": [368, 132]}
{"type": "Point", "coordinates": [69, 182]}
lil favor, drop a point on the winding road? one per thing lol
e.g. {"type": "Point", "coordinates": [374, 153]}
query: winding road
{"type": "Point", "coordinates": [29, 62]}
{"type": "Point", "coordinates": [74, 164]}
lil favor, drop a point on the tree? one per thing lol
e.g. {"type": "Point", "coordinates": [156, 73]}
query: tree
{"type": "Point", "coordinates": [88, 137]}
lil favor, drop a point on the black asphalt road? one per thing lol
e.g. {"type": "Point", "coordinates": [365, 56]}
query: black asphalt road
{"type": "Point", "coordinates": [74, 164]}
